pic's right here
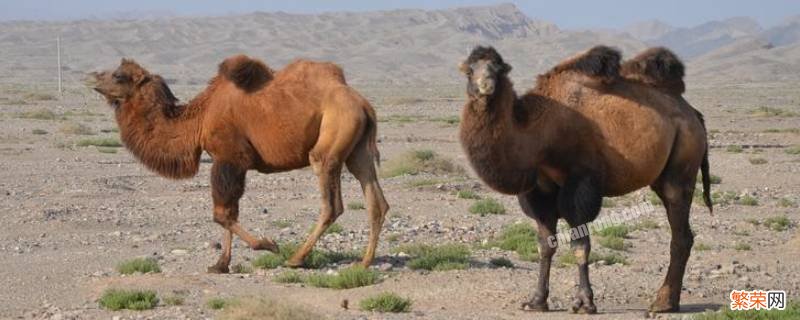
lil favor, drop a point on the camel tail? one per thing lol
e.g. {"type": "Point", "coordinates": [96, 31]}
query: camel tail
{"type": "Point", "coordinates": [372, 134]}
{"type": "Point", "coordinates": [704, 168]}
{"type": "Point", "coordinates": [246, 73]}
{"type": "Point", "coordinates": [657, 67]}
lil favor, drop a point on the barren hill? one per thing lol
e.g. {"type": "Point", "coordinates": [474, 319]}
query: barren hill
{"type": "Point", "coordinates": [381, 48]}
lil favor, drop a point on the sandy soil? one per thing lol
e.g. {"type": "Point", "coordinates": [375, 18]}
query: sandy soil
{"type": "Point", "coordinates": [72, 213]}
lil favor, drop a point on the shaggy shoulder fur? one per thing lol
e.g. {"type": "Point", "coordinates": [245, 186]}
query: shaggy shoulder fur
{"type": "Point", "coordinates": [246, 73]}
{"type": "Point", "coordinates": [657, 67]}
{"type": "Point", "coordinates": [599, 63]}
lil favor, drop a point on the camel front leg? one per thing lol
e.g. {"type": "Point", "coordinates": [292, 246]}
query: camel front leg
{"type": "Point", "coordinates": [584, 298]}
{"type": "Point", "coordinates": [227, 186]}
{"type": "Point", "coordinates": [329, 182]}
{"type": "Point", "coordinates": [542, 208]}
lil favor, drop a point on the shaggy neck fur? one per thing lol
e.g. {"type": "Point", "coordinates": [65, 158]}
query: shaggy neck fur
{"type": "Point", "coordinates": [488, 138]}
{"type": "Point", "coordinates": [162, 134]}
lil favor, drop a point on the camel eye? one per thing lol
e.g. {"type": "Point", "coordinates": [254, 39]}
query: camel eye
{"type": "Point", "coordinates": [118, 77]}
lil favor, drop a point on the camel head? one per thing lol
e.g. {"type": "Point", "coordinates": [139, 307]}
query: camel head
{"type": "Point", "coordinates": [483, 67]}
{"type": "Point", "coordinates": [120, 84]}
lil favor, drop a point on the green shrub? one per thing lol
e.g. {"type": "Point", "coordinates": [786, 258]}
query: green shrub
{"type": "Point", "coordinates": [786, 203]}
{"type": "Point", "coordinates": [757, 161]}
{"type": "Point", "coordinates": [502, 262]}
{"type": "Point", "coordinates": [467, 194]}
{"type": "Point", "coordinates": [793, 150]}
{"type": "Point", "coordinates": [438, 258]}
{"type": "Point", "coordinates": [261, 308]}
{"type": "Point", "coordinates": [741, 246]}
{"type": "Point", "coordinates": [143, 265]}
{"type": "Point", "coordinates": [315, 260]}
{"type": "Point", "coordinates": [701, 247]}
{"type": "Point", "coordinates": [355, 205]}
{"type": "Point", "coordinates": [778, 223]}
{"type": "Point", "coordinates": [100, 142]}
{"type": "Point", "coordinates": [485, 207]}
{"type": "Point", "coordinates": [520, 238]}
{"type": "Point", "coordinates": [174, 300]}
{"type": "Point", "coordinates": [76, 129]}
{"type": "Point", "coordinates": [734, 148]}
{"type": "Point", "coordinates": [290, 276]}
{"type": "Point", "coordinates": [648, 224]}
{"type": "Point", "coordinates": [40, 114]}
{"type": "Point", "coordinates": [614, 243]}
{"type": "Point", "coordinates": [117, 299]}
{"type": "Point", "coordinates": [772, 112]}
{"type": "Point", "coordinates": [420, 161]}
{"type": "Point", "coordinates": [352, 277]}
{"type": "Point", "coordinates": [747, 200]}
{"type": "Point", "coordinates": [386, 302]}
{"type": "Point", "coordinates": [216, 303]}
{"type": "Point", "coordinates": [618, 231]}
{"type": "Point", "coordinates": [241, 268]}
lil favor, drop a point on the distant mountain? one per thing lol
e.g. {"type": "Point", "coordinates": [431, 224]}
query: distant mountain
{"type": "Point", "coordinates": [648, 30]}
{"type": "Point", "coordinates": [788, 32]}
{"type": "Point", "coordinates": [381, 48]}
{"type": "Point", "coordinates": [375, 48]}
{"type": "Point", "coordinates": [696, 41]}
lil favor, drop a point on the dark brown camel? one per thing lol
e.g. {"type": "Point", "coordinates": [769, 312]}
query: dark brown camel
{"type": "Point", "coordinates": [249, 118]}
{"type": "Point", "coordinates": [584, 132]}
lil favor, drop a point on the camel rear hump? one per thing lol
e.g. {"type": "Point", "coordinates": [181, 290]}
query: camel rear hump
{"type": "Point", "coordinates": [657, 67]}
{"type": "Point", "coordinates": [246, 73]}
{"type": "Point", "coordinates": [600, 63]}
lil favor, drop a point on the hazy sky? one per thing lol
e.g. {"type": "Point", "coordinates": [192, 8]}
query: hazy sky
{"type": "Point", "coordinates": [565, 13]}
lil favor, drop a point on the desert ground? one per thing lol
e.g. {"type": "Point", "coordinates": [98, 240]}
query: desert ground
{"type": "Point", "coordinates": [74, 211]}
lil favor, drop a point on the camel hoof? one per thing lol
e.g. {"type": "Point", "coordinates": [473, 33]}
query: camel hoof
{"type": "Point", "coordinates": [535, 306]}
{"type": "Point", "coordinates": [217, 269]}
{"type": "Point", "coordinates": [267, 244]}
{"type": "Point", "coordinates": [292, 263]}
{"type": "Point", "coordinates": [581, 307]}
{"type": "Point", "coordinates": [663, 307]}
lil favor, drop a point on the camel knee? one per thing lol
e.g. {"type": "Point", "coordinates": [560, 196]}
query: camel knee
{"type": "Point", "coordinates": [225, 216]}
{"type": "Point", "coordinates": [546, 250]}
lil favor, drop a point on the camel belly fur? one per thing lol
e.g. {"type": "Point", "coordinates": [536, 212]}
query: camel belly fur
{"type": "Point", "coordinates": [635, 144]}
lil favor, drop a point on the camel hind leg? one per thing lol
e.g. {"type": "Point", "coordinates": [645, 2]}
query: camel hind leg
{"type": "Point", "coordinates": [675, 190]}
{"type": "Point", "coordinates": [339, 133]}
{"type": "Point", "coordinates": [361, 164]}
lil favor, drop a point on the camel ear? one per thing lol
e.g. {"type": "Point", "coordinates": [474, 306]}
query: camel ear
{"type": "Point", "coordinates": [463, 67]}
{"type": "Point", "coordinates": [506, 68]}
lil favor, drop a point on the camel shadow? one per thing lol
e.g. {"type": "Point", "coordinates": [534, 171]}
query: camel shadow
{"type": "Point", "coordinates": [685, 309]}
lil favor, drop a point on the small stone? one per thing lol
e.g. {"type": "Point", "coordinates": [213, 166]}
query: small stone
{"type": "Point", "coordinates": [179, 252]}
{"type": "Point", "coordinates": [385, 267]}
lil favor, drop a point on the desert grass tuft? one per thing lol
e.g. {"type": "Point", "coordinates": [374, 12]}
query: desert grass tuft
{"type": "Point", "coordinates": [40, 114]}
{"type": "Point", "coordinates": [741, 246]}
{"type": "Point", "coordinates": [353, 277]}
{"type": "Point", "coordinates": [386, 302]}
{"type": "Point", "coordinates": [355, 205]}
{"type": "Point", "coordinates": [265, 309]}
{"type": "Point", "coordinates": [100, 142]}
{"type": "Point", "coordinates": [501, 262]}
{"type": "Point", "coordinates": [76, 129]}
{"type": "Point", "coordinates": [174, 300]}
{"type": "Point", "coordinates": [757, 161]}
{"type": "Point", "coordinates": [520, 238]}
{"type": "Point", "coordinates": [117, 299]}
{"type": "Point", "coordinates": [618, 231]}
{"type": "Point", "coordinates": [437, 258]}
{"type": "Point", "coordinates": [317, 259]}
{"type": "Point", "coordinates": [467, 194]}
{"type": "Point", "coordinates": [290, 276]}
{"type": "Point", "coordinates": [420, 161]}
{"type": "Point", "coordinates": [781, 223]}
{"type": "Point", "coordinates": [734, 148]}
{"type": "Point", "coordinates": [143, 265]}
{"type": "Point", "coordinates": [487, 206]}
{"type": "Point", "coordinates": [217, 303]}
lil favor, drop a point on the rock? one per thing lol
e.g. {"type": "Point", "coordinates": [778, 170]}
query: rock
{"type": "Point", "coordinates": [385, 267]}
{"type": "Point", "coordinates": [179, 252]}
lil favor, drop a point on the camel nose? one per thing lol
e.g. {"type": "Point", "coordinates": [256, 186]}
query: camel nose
{"type": "Point", "coordinates": [485, 87]}
{"type": "Point", "coordinates": [91, 79]}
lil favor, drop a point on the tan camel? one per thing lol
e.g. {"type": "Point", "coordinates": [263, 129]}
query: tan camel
{"type": "Point", "coordinates": [584, 132]}
{"type": "Point", "coordinates": [250, 118]}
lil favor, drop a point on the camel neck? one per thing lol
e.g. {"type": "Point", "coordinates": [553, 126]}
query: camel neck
{"type": "Point", "coordinates": [163, 135]}
{"type": "Point", "coordinates": [488, 136]}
